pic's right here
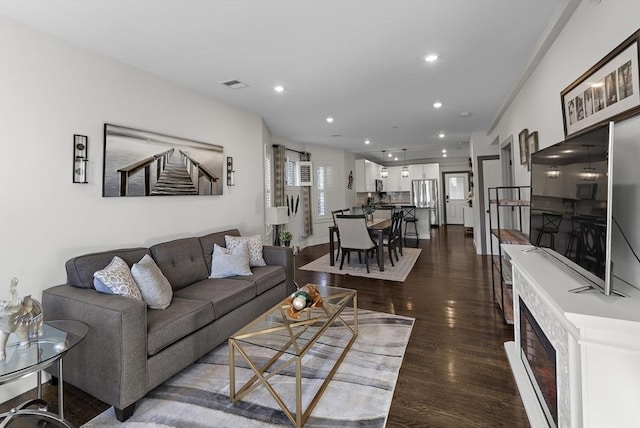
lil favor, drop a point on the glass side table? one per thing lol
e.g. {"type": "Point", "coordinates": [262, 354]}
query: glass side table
{"type": "Point", "coordinates": [57, 338]}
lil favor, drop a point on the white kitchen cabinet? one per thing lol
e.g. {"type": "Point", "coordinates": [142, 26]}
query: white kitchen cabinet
{"type": "Point", "coordinates": [427, 170]}
{"type": "Point", "coordinates": [366, 174]}
{"type": "Point", "coordinates": [395, 182]}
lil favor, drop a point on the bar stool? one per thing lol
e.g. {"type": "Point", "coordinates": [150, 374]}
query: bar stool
{"type": "Point", "coordinates": [550, 226]}
{"type": "Point", "coordinates": [409, 214]}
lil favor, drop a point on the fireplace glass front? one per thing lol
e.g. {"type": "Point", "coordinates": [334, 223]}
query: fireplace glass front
{"type": "Point", "coordinates": [539, 358]}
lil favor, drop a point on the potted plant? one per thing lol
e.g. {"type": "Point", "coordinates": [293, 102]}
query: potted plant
{"type": "Point", "coordinates": [285, 237]}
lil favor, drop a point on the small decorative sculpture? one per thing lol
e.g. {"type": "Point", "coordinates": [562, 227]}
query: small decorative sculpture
{"type": "Point", "coordinates": [306, 297]}
{"type": "Point", "coordinates": [20, 316]}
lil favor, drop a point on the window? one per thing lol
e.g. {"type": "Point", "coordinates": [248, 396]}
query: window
{"type": "Point", "coordinates": [290, 176]}
{"type": "Point", "coordinates": [325, 190]}
{"type": "Point", "coordinates": [456, 188]}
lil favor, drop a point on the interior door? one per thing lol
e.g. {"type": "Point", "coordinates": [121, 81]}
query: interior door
{"type": "Point", "coordinates": [456, 186]}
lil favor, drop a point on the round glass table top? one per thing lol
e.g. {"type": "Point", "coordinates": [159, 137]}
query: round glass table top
{"type": "Point", "coordinates": [56, 338]}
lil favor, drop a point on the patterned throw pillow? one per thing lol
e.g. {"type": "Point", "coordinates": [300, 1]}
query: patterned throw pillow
{"type": "Point", "coordinates": [227, 262]}
{"type": "Point", "coordinates": [154, 286]}
{"type": "Point", "coordinates": [255, 247]}
{"type": "Point", "coordinates": [117, 277]}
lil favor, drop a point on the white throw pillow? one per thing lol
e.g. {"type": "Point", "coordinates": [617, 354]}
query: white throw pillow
{"type": "Point", "coordinates": [255, 247]}
{"type": "Point", "coordinates": [154, 286]}
{"type": "Point", "coordinates": [227, 262]}
{"type": "Point", "coordinates": [117, 277]}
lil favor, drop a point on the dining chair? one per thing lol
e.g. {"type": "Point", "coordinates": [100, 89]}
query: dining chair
{"type": "Point", "coordinates": [393, 237]}
{"type": "Point", "coordinates": [334, 214]}
{"type": "Point", "coordinates": [383, 212]}
{"type": "Point", "coordinates": [409, 215]}
{"type": "Point", "coordinates": [354, 236]}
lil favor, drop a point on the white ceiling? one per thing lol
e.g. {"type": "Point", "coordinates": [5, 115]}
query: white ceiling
{"type": "Point", "coordinates": [361, 62]}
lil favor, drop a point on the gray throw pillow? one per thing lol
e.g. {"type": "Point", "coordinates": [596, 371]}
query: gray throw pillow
{"type": "Point", "coordinates": [117, 278]}
{"type": "Point", "coordinates": [255, 247]}
{"type": "Point", "coordinates": [227, 262]}
{"type": "Point", "coordinates": [154, 286]}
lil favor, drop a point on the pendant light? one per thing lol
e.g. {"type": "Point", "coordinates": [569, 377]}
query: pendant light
{"type": "Point", "coordinates": [405, 168]}
{"type": "Point", "coordinates": [553, 171]}
{"type": "Point", "coordinates": [588, 173]}
{"type": "Point", "coordinates": [385, 172]}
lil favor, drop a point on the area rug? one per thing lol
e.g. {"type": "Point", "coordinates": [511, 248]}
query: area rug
{"type": "Point", "coordinates": [398, 273]}
{"type": "Point", "coordinates": [359, 395]}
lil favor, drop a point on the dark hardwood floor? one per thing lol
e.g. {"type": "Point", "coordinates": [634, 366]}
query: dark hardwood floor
{"type": "Point", "coordinates": [455, 372]}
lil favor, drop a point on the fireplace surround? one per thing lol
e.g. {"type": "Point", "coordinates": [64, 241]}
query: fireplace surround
{"type": "Point", "coordinates": [595, 339]}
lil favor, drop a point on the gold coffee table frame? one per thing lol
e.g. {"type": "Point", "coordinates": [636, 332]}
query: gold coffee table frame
{"type": "Point", "coordinates": [286, 337]}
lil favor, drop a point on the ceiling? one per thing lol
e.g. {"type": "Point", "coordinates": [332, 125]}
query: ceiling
{"type": "Point", "coordinates": [360, 62]}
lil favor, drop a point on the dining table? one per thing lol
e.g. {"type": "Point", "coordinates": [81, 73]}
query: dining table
{"type": "Point", "coordinates": [377, 227]}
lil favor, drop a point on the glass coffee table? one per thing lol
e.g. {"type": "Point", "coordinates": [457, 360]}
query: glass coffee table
{"type": "Point", "coordinates": [284, 342]}
{"type": "Point", "coordinates": [57, 338]}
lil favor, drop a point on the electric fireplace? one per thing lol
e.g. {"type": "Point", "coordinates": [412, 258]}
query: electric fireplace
{"type": "Point", "coordinates": [539, 359]}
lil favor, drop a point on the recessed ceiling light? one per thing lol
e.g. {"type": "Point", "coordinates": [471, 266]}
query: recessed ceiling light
{"type": "Point", "coordinates": [278, 88]}
{"type": "Point", "coordinates": [390, 155]}
{"type": "Point", "coordinates": [396, 158]}
{"type": "Point", "coordinates": [437, 104]}
{"type": "Point", "coordinates": [329, 119]}
{"type": "Point", "coordinates": [444, 150]}
{"type": "Point", "coordinates": [367, 141]}
{"type": "Point", "coordinates": [431, 57]}
{"type": "Point", "coordinates": [441, 135]}
{"type": "Point", "coordinates": [465, 114]}
{"type": "Point", "coordinates": [444, 155]}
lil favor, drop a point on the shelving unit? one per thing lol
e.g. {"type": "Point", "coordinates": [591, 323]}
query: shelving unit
{"type": "Point", "coordinates": [505, 221]}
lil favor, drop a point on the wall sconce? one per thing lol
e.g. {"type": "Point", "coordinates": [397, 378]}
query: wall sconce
{"type": "Point", "coordinates": [230, 172]}
{"type": "Point", "coordinates": [80, 158]}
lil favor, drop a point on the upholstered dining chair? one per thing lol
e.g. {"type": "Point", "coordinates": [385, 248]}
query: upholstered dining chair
{"type": "Point", "coordinates": [383, 212]}
{"type": "Point", "coordinates": [334, 214]}
{"type": "Point", "coordinates": [354, 236]}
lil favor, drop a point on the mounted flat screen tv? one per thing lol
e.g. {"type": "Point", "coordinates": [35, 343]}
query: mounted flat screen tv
{"type": "Point", "coordinates": [571, 185]}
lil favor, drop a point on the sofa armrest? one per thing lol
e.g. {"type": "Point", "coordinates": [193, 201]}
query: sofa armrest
{"type": "Point", "coordinates": [111, 362]}
{"type": "Point", "coordinates": [281, 256]}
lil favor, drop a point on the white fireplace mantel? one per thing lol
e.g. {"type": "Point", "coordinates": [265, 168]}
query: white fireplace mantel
{"type": "Point", "coordinates": [597, 342]}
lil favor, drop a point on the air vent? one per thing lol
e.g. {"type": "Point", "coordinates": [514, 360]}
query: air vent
{"type": "Point", "coordinates": [235, 84]}
{"type": "Point", "coordinates": [336, 135]}
{"type": "Point", "coordinates": [305, 173]}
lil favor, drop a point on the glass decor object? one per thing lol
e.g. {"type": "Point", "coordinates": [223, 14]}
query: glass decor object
{"type": "Point", "coordinates": [80, 158]}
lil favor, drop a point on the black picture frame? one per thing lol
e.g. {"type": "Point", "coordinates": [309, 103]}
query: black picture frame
{"type": "Point", "coordinates": [610, 90]}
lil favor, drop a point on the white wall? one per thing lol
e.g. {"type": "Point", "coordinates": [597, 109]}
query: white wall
{"type": "Point", "coordinates": [50, 90]}
{"type": "Point", "coordinates": [591, 33]}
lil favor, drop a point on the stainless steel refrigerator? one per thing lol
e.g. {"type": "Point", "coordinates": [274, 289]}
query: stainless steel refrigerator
{"type": "Point", "coordinates": [424, 195]}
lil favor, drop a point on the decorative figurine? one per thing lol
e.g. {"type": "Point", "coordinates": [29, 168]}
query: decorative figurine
{"type": "Point", "coordinates": [305, 297]}
{"type": "Point", "coordinates": [20, 316]}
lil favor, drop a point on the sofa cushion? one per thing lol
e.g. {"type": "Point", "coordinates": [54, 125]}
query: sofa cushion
{"type": "Point", "coordinates": [181, 261]}
{"type": "Point", "coordinates": [207, 241]}
{"type": "Point", "coordinates": [116, 276]}
{"type": "Point", "coordinates": [181, 318]}
{"type": "Point", "coordinates": [154, 286]}
{"type": "Point", "coordinates": [255, 247]}
{"type": "Point", "coordinates": [225, 294]}
{"type": "Point", "coordinates": [265, 277]}
{"type": "Point", "coordinates": [227, 262]}
{"type": "Point", "coordinates": [80, 269]}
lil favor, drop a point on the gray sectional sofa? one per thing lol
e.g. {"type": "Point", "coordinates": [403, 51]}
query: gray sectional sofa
{"type": "Point", "coordinates": [131, 349]}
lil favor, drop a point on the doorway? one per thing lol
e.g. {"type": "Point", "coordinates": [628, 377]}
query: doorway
{"type": "Point", "coordinates": [456, 189]}
{"type": "Point", "coordinates": [489, 175]}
